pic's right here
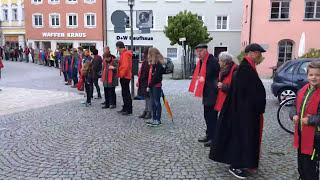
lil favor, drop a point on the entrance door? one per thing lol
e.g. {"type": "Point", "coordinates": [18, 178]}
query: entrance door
{"type": "Point", "coordinates": [218, 50]}
{"type": "Point", "coordinates": [64, 45]}
{"type": "Point", "coordinates": [90, 46]}
{"type": "Point", "coordinates": [138, 52]}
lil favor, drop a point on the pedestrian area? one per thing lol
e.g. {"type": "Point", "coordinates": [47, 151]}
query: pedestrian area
{"type": "Point", "coordinates": [52, 135]}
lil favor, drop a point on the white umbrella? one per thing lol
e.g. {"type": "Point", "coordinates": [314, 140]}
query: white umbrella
{"type": "Point", "coordinates": [302, 44]}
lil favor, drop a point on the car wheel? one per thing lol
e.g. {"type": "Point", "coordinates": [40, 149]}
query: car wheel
{"type": "Point", "coordinates": [285, 94]}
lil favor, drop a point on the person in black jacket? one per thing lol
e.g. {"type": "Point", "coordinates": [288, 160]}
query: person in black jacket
{"type": "Point", "coordinates": [97, 70]}
{"type": "Point", "coordinates": [156, 70]}
{"type": "Point", "coordinates": [142, 85]}
{"type": "Point", "coordinates": [206, 74]}
{"type": "Point", "coordinates": [240, 124]}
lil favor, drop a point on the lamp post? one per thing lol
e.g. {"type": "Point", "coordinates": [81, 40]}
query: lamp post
{"type": "Point", "coordinates": [131, 4]}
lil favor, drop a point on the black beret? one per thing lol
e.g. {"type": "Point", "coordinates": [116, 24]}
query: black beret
{"type": "Point", "coordinates": [254, 47]}
{"type": "Point", "coordinates": [202, 46]}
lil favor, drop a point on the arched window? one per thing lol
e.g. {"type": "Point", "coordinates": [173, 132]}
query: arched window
{"type": "Point", "coordinates": [285, 48]}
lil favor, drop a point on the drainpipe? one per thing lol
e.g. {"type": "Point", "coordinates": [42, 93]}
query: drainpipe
{"type": "Point", "coordinates": [250, 29]}
{"type": "Point", "coordinates": [103, 23]}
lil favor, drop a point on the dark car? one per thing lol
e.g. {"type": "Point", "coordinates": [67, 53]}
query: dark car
{"type": "Point", "coordinates": [168, 65]}
{"type": "Point", "coordinates": [289, 78]}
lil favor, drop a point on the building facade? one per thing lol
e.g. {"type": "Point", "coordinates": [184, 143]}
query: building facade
{"type": "Point", "coordinates": [278, 25]}
{"type": "Point", "coordinates": [12, 30]}
{"type": "Point", "coordinates": [222, 17]}
{"type": "Point", "coordinates": [59, 24]}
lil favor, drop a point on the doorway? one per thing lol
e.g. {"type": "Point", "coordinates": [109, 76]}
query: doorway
{"type": "Point", "coordinates": [218, 50]}
{"type": "Point", "coordinates": [90, 46]}
{"type": "Point", "coordinates": [64, 45]}
{"type": "Point", "coordinates": [138, 52]}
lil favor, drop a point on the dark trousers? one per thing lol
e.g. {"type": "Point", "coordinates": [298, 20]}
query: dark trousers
{"type": "Point", "coordinates": [57, 63]}
{"type": "Point", "coordinates": [65, 75]}
{"type": "Point", "coordinates": [308, 169]}
{"type": "Point", "coordinates": [110, 96]}
{"type": "Point", "coordinates": [126, 96]}
{"type": "Point", "coordinates": [155, 95]}
{"type": "Point", "coordinates": [89, 91]}
{"type": "Point", "coordinates": [96, 84]}
{"type": "Point", "coordinates": [51, 63]}
{"type": "Point", "coordinates": [74, 76]}
{"type": "Point", "coordinates": [210, 115]}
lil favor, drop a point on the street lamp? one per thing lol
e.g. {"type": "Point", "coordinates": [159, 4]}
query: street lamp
{"type": "Point", "coordinates": [131, 4]}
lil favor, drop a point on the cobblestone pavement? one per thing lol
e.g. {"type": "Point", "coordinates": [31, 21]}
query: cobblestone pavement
{"type": "Point", "coordinates": [70, 141]}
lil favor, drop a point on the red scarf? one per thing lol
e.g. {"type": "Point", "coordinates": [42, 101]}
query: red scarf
{"type": "Point", "coordinates": [307, 132]}
{"type": "Point", "coordinates": [150, 75]}
{"type": "Point", "coordinates": [251, 62]}
{"type": "Point", "coordinates": [79, 64]}
{"type": "Point", "coordinates": [203, 71]}
{"type": "Point", "coordinates": [67, 63]}
{"type": "Point", "coordinates": [222, 95]}
{"type": "Point", "coordinates": [110, 72]}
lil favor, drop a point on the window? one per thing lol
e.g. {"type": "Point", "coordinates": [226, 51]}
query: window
{"type": "Point", "coordinates": [54, 20]}
{"type": "Point", "coordinates": [71, 1]}
{"type": "Point", "coordinates": [172, 52]}
{"type": "Point", "coordinates": [53, 1]}
{"type": "Point", "coordinates": [280, 9]}
{"type": "Point", "coordinates": [90, 20]}
{"type": "Point", "coordinates": [222, 23]}
{"type": "Point", "coordinates": [37, 20]}
{"type": "Point", "coordinates": [14, 14]}
{"type": "Point", "coordinates": [22, 14]}
{"type": "Point", "coordinates": [201, 18]}
{"type": "Point", "coordinates": [303, 68]}
{"type": "Point", "coordinates": [36, 1]}
{"type": "Point", "coordinates": [312, 9]}
{"type": "Point", "coordinates": [5, 14]}
{"type": "Point", "coordinates": [128, 22]}
{"type": "Point", "coordinates": [72, 20]}
{"type": "Point", "coordinates": [89, 1]}
{"type": "Point", "coordinates": [290, 69]}
{"type": "Point", "coordinates": [285, 51]}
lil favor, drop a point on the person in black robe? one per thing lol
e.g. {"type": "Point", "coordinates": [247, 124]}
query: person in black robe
{"type": "Point", "coordinates": [239, 127]}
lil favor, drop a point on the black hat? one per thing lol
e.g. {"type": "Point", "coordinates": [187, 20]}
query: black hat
{"type": "Point", "coordinates": [254, 47]}
{"type": "Point", "coordinates": [120, 44]}
{"type": "Point", "coordinates": [202, 45]}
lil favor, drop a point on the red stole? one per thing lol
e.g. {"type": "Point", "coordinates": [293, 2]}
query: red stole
{"type": "Point", "coordinates": [222, 95]}
{"type": "Point", "coordinates": [110, 72]}
{"type": "Point", "coordinates": [79, 64]}
{"type": "Point", "coordinates": [67, 63]}
{"type": "Point", "coordinates": [195, 77]}
{"type": "Point", "coordinates": [251, 62]}
{"type": "Point", "coordinates": [307, 132]}
{"type": "Point", "coordinates": [150, 75]}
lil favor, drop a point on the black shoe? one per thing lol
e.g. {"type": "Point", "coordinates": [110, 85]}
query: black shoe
{"type": "Point", "coordinates": [121, 111]}
{"type": "Point", "coordinates": [104, 103]}
{"type": "Point", "coordinates": [203, 139]}
{"type": "Point", "coordinates": [113, 106]}
{"type": "Point", "coordinates": [143, 114]}
{"type": "Point", "coordinates": [148, 115]}
{"type": "Point", "coordinates": [126, 113]}
{"type": "Point", "coordinates": [238, 173]}
{"type": "Point", "coordinates": [105, 107]}
{"type": "Point", "coordinates": [99, 97]}
{"type": "Point", "coordinates": [208, 144]}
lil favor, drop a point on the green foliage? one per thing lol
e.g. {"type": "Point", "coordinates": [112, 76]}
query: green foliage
{"type": "Point", "coordinates": [185, 24]}
{"type": "Point", "coordinates": [313, 53]}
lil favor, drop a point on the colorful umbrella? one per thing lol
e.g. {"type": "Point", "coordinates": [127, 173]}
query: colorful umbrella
{"type": "Point", "coordinates": [167, 106]}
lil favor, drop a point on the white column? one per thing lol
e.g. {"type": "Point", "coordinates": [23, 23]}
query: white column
{"type": "Point", "coordinates": [53, 45]}
{"type": "Point", "coordinates": [10, 13]}
{"type": "Point", "coordinates": [19, 11]}
{"type": "Point", "coordinates": [76, 44]}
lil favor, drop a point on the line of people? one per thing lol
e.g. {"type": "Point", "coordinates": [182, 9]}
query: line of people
{"type": "Point", "coordinates": [234, 101]}
{"type": "Point", "coordinates": [113, 70]}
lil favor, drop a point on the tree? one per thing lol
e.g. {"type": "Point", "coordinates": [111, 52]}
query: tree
{"type": "Point", "coordinates": [312, 53]}
{"type": "Point", "coordinates": [187, 25]}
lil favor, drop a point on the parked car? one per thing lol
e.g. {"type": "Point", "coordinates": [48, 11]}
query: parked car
{"type": "Point", "coordinates": [168, 65]}
{"type": "Point", "coordinates": [289, 78]}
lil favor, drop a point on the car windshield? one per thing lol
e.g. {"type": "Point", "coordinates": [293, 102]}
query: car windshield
{"type": "Point", "coordinates": [282, 66]}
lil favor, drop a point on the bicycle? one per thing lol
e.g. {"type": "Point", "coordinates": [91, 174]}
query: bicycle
{"type": "Point", "coordinates": [283, 114]}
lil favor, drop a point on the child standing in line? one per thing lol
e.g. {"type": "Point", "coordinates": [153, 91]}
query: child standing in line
{"type": "Point", "coordinates": [307, 122]}
{"type": "Point", "coordinates": [156, 71]}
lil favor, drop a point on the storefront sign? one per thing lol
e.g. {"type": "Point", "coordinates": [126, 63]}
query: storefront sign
{"type": "Point", "coordinates": [135, 38]}
{"type": "Point", "coordinates": [68, 35]}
